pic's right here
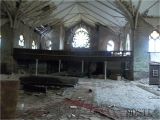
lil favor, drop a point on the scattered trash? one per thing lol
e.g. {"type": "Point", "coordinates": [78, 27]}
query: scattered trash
{"type": "Point", "coordinates": [60, 94]}
{"type": "Point", "coordinates": [94, 118]}
{"type": "Point", "coordinates": [90, 90]}
{"type": "Point", "coordinates": [37, 94]}
{"type": "Point", "coordinates": [154, 97]}
{"type": "Point", "coordinates": [111, 106]}
{"type": "Point", "coordinates": [73, 115]}
{"type": "Point", "coordinates": [73, 107]}
{"type": "Point", "coordinates": [79, 97]}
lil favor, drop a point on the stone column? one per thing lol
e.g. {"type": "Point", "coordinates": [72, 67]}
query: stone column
{"type": "Point", "coordinates": [7, 44]}
{"type": "Point", "coordinates": [140, 50]}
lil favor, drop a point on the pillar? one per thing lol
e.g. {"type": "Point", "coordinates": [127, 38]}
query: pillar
{"type": "Point", "coordinates": [82, 66]}
{"type": "Point", "coordinates": [61, 37]}
{"type": "Point", "coordinates": [59, 66]}
{"type": "Point", "coordinates": [105, 70]}
{"type": "Point", "coordinates": [36, 67]}
{"type": "Point", "coordinates": [140, 50]}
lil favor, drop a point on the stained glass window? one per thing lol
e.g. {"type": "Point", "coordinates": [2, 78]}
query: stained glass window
{"type": "Point", "coordinates": [81, 38]}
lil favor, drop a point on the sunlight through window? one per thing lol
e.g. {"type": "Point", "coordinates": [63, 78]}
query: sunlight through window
{"type": "Point", "coordinates": [81, 38]}
{"type": "Point", "coordinates": [34, 46]}
{"type": "Point", "coordinates": [110, 46]}
{"type": "Point", "coordinates": [154, 42]}
{"type": "Point", "coordinates": [49, 45]}
{"type": "Point", "coordinates": [21, 41]}
{"type": "Point", "coordinates": [128, 46]}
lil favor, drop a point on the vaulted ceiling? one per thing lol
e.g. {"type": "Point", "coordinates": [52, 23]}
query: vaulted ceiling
{"type": "Point", "coordinates": [112, 13]}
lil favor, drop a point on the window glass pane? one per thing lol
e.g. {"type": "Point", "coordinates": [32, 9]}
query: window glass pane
{"type": "Point", "coordinates": [21, 41]}
{"type": "Point", "coordinates": [151, 45]}
{"type": "Point", "coordinates": [81, 38]}
{"type": "Point", "coordinates": [154, 42]}
{"type": "Point", "coordinates": [49, 45]}
{"type": "Point", "coordinates": [110, 46]}
{"type": "Point", "coordinates": [34, 45]}
{"type": "Point", "coordinates": [128, 43]}
{"type": "Point", "coordinates": [157, 45]}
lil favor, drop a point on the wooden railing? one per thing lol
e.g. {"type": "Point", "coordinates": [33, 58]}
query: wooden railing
{"type": "Point", "coordinates": [59, 54]}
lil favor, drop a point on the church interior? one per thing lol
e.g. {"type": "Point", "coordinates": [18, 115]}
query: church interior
{"type": "Point", "coordinates": [80, 59]}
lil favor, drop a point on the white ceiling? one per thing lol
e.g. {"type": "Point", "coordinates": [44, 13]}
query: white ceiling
{"type": "Point", "coordinates": [69, 12]}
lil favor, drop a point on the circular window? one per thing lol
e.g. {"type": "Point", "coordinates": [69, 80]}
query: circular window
{"type": "Point", "coordinates": [81, 38]}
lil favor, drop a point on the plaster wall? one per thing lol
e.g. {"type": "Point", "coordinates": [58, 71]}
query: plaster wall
{"type": "Point", "coordinates": [105, 34]}
{"type": "Point", "coordinates": [29, 36]}
{"type": "Point", "coordinates": [9, 40]}
{"type": "Point", "coordinates": [52, 36]}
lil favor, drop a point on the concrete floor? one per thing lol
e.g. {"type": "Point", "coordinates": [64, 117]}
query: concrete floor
{"type": "Point", "coordinates": [120, 95]}
{"type": "Point", "coordinates": [125, 94]}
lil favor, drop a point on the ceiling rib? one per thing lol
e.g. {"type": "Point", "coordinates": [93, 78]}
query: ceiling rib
{"type": "Point", "coordinates": [62, 10]}
{"type": "Point", "coordinates": [110, 7]}
{"type": "Point", "coordinates": [48, 21]}
{"type": "Point", "coordinates": [90, 19]}
{"type": "Point", "coordinates": [151, 6]}
{"type": "Point", "coordinates": [98, 14]}
{"type": "Point", "coordinates": [65, 14]}
{"type": "Point", "coordinates": [104, 11]}
{"type": "Point", "coordinates": [116, 31]}
{"type": "Point", "coordinates": [101, 22]}
{"type": "Point", "coordinates": [65, 20]}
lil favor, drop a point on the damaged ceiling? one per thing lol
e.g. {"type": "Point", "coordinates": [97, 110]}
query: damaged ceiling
{"type": "Point", "coordinates": [112, 13]}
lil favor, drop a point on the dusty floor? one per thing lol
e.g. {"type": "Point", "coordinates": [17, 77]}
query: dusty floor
{"type": "Point", "coordinates": [120, 100]}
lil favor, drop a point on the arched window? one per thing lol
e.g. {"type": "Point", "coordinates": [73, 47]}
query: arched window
{"type": "Point", "coordinates": [21, 41]}
{"type": "Point", "coordinates": [110, 45]}
{"type": "Point", "coordinates": [49, 45]}
{"type": "Point", "coordinates": [154, 42]}
{"type": "Point", "coordinates": [128, 43]}
{"type": "Point", "coordinates": [81, 38]}
{"type": "Point", "coordinates": [34, 46]}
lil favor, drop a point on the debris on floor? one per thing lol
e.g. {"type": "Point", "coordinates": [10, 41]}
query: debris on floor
{"type": "Point", "coordinates": [90, 99]}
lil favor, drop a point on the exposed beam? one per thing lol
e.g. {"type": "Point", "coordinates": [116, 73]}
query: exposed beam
{"type": "Point", "coordinates": [137, 13]}
{"type": "Point", "coordinates": [72, 24]}
{"type": "Point", "coordinates": [16, 13]}
{"type": "Point", "coordinates": [66, 22]}
{"type": "Point", "coordinates": [126, 11]}
{"type": "Point", "coordinates": [65, 15]}
{"type": "Point", "coordinates": [101, 22]}
{"type": "Point", "coordinates": [88, 21]}
{"type": "Point", "coordinates": [50, 18]}
{"type": "Point", "coordinates": [110, 7]}
{"type": "Point", "coordinates": [104, 11]}
{"type": "Point", "coordinates": [98, 15]}
{"type": "Point", "coordinates": [58, 22]}
{"type": "Point", "coordinates": [28, 6]}
{"type": "Point", "coordinates": [54, 15]}
{"type": "Point", "coordinates": [34, 10]}
{"type": "Point", "coordinates": [43, 5]}
{"type": "Point", "coordinates": [8, 13]}
{"type": "Point", "coordinates": [151, 6]}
